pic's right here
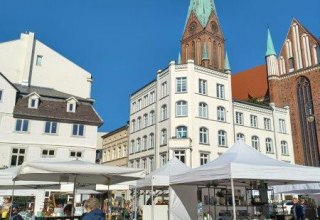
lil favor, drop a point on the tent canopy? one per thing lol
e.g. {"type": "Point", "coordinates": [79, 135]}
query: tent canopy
{"type": "Point", "coordinates": [307, 188]}
{"type": "Point", "coordinates": [243, 164]}
{"type": "Point", "coordinates": [81, 171]}
{"type": "Point", "coordinates": [160, 177]}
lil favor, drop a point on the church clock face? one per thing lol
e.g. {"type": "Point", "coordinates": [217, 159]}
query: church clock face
{"type": "Point", "coordinates": [192, 27]}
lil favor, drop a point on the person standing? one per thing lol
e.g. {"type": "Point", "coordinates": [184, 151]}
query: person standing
{"type": "Point", "coordinates": [93, 210]}
{"type": "Point", "coordinates": [297, 210]}
{"type": "Point", "coordinates": [15, 213]}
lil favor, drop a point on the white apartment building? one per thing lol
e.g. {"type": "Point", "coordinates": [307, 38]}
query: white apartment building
{"type": "Point", "coordinates": [45, 105]}
{"type": "Point", "coordinates": [188, 112]}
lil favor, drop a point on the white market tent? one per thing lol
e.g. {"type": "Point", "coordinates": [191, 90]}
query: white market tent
{"type": "Point", "coordinates": [307, 188]}
{"type": "Point", "coordinates": [241, 164]}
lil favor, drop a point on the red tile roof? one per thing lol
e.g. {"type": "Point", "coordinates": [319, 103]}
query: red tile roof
{"type": "Point", "coordinates": [252, 82]}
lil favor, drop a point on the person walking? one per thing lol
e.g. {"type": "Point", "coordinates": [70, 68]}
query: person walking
{"type": "Point", "coordinates": [93, 210]}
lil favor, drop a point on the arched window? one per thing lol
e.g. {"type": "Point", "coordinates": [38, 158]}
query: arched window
{"type": "Point", "coordinates": [284, 148]}
{"type": "Point", "coordinates": [204, 135]}
{"type": "Point", "coordinates": [145, 143]}
{"type": "Point", "coordinates": [255, 142]}
{"type": "Point", "coordinates": [145, 120]}
{"type": "Point", "coordinates": [151, 137]}
{"type": "Point", "coordinates": [139, 123]}
{"type": "Point", "coordinates": [138, 146]}
{"type": "Point", "coordinates": [241, 136]}
{"type": "Point", "coordinates": [131, 149]}
{"type": "Point", "coordinates": [182, 132]}
{"type": "Point", "coordinates": [181, 108]}
{"type": "Point", "coordinates": [164, 137]}
{"type": "Point", "coordinates": [133, 125]}
{"type": "Point", "coordinates": [152, 118]}
{"type": "Point", "coordinates": [221, 113]}
{"type": "Point", "coordinates": [164, 112]}
{"type": "Point", "coordinates": [269, 145]}
{"type": "Point", "coordinates": [222, 138]}
{"type": "Point", "coordinates": [203, 110]}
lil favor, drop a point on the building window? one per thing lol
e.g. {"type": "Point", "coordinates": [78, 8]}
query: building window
{"type": "Point", "coordinates": [239, 118]}
{"type": "Point", "coordinates": [221, 113]}
{"type": "Point", "coordinates": [145, 101]}
{"type": "Point", "coordinates": [181, 84]}
{"type": "Point", "coordinates": [282, 126]}
{"type": "Point", "coordinates": [284, 148]}
{"type": "Point", "coordinates": [182, 132]}
{"type": "Point", "coordinates": [22, 125]}
{"type": "Point", "coordinates": [164, 137]}
{"type": "Point", "coordinates": [17, 156]}
{"type": "Point", "coordinates": [131, 149]}
{"type": "Point", "coordinates": [46, 153]}
{"type": "Point", "coordinates": [204, 136]}
{"type": "Point", "coordinates": [119, 152]}
{"type": "Point", "coordinates": [150, 165]}
{"type": "Point", "coordinates": [164, 112]}
{"type": "Point", "coordinates": [267, 124]}
{"type": "Point", "coordinates": [77, 130]}
{"type": "Point", "coordinates": [291, 64]}
{"type": "Point", "coordinates": [204, 158]}
{"type": "Point", "coordinates": [181, 108]}
{"type": "Point", "coordinates": [220, 91]}
{"type": "Point", "coordinates": [222, 138]}
{"type": "Point", "coordinates": [152, 97]}
{"type": "Point", "coordinates": [138, 146]}
{"type": "Point", "coordinates": [33, 102]}
{"type": "Point", "coordinates": [255, 142]}
{"type": "Point", "coordinates": [203, 110]}
{"type": "Point", "coordinates": [145, 120]}
{"type": "Point", "coordinates": [163, 159]}
{"type": "Point", "coordinates": [145, 143]}
{"type": "Point", "coordinates": [164, 89]}
{"type": "Point", "coordinates": [139, 123]}
{"type": "Point", "coordinates": [151, 141]}
{"type": "Point", "coordinates": [152, 117]}
{"type": "Point", "coordinates": [254, 121]}
{"type": "Point", "coordinates": [269, 145]}
{"type": "Point", "coordinates": [76, 154]}
{"type": "Point", "coordinates": [134, 107]}
{"type": "Point", "coordinates": [133, 125]}
{"type": "Point", "coordinates": [180, 154]}
{"type": "Point", "coordinates": [203, 87]}
{"type": "Point", "coordinates": [240, 136]}
{"type": "Point", "coordinates": [139, 104]}
{"type": "Point", "coordinates": [50, 127]}
{"type": "Point", "coordinates": [39, 60]}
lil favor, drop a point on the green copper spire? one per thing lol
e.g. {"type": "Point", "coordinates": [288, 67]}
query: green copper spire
{"type": "Point", "coordinates": [205, 52]}
{"type": "Point", "coordinates": [270, 47]}
{"type": "Point", "coordinates": [227, 64]}
{"type": "Point", "coordinates": [202, 9]}
{"type": "Point", "coordinates": [179, 58]}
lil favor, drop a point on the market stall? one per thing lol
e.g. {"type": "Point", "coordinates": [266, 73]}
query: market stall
{"type": "Point", "coordinates": [242, 165]}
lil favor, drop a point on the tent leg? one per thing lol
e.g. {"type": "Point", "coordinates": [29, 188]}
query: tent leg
{"type": "Point", "coordinates": [12, 197]}
{"type": "Point", "coordinates": [109, 200]}
{"type": "Point", "coordinates": [136, 203]}
{"type": "Point", "coordinates": [233, 201]}
{"type": "Point", "coordinates": [74, 196]}
{"type": "Point", "coordinates": [152, 202]}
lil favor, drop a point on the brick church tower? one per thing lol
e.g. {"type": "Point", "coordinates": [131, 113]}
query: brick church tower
{"type": "Point", "coordinates": [203, 40]}
{"type": "Point", "coordinates": [294, 81]}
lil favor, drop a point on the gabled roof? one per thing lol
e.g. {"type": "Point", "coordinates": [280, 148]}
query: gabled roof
{"type": "Point", "coordinates": [250, 83]}
{"type": "Point", "coordinates": [33, 94]}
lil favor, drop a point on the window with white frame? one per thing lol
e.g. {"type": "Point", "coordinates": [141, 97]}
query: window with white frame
{"type": "Point", "coordinates": [220, 91]}
{"type": "Point", "coordinates": [152, 118]}
{"type": "Point", "coordinates": [22, 125]}
{"type": "Point", "coordinates": [151, 141]}
{"type": "Point", "coordinates": [240, 136]}
{"type": "Point", "coordinates": [204, 158]}
{"type": "Point", "coordinates": [145, 101]}
{"type": "Point", "coordinates": [180, 154]}
{"type": "Point", "coordinates": [203, 87]}
{"type": "Point", "coordinates": [39, 60]}
{"type": "Point", "coordinates": [48, 153]}
{"type": "Point", "coordinates": [181, 84]}
{"type": "Point", "coordinates": [222, 138]}
{"type": "Point", "coordinates": [145, 143]}
{"type": "Point", "coordinates": [145, 120]}
{"type": "Point", "coordinates": [78, 130]}
{"type": "Point", "coordinates": [163, 159]}
{"type": "Point", "coordinates": [50, 127]}
{"type": "Point", "coordinates": [139, 123]}
{"type": "Point", "coordinates": [76, 154]}
{"type": "Point", "coordinates": [17, 156]}
{"type": "Point", "coordinates": [204, 135]}
{"type": "Point", "coordinates": [33, 102]}
{"type": "Point", "coordinates": [152, 97]}
{"type": "Point", "coordinates": [131, 149]}
{"type": "Point", "coordinates": [139, 104]}
{"type": "Point", "coordinates": [133, 125]}
{"type": "Point", "coordinates": [134, 107]}
{"type": "Point", "coordinates": [203, 110]}
{"type": "Point", "coordinates": [284, 148]}
{"type": "Point", "coordinates": [253, 121]}
{"type": "Point", "coordinates": [164, 112]}
{"type": "Point", "coordinates": [269, 145]}
{"type": "Point", "coordinates": [221, 113]}
{"type": "Point", "coordinates": [164, 137]}
{"type": "Point", "coordinates": [267, 124]}
{"type": "Point", "coordinates": [239, 118]}
{"type": "Point", "coordinates": [255, 142]}
{"type": "Point", "coordinates": [1, 93]}
{"type": "Point", "coordinates": [181, 108]}
{"type": "Point", "coordinates": [164, 89]}
{"type": "Point", "coordinates": [282, 126]}
{"type": "Point", "coordinates": [138, 146]}
{"type": "Point", "coordinates": [182, 132]}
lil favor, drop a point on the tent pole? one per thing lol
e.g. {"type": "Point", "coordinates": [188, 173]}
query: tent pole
{"type": "Point", "coordinates": [74, 195]}
{"type": "Point", "coordinates": [109, 202]}
{"type": "Point", "coordinates": [152, 202]}
{"type": "Point", "coordinates": [233, 201]}
{"type": "Point", "coordinates": [135, 202]}
{"type": "Point", "coordinates": [12, 197]}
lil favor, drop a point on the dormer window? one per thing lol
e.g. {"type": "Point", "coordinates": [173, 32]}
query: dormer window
{"type": "Point", "coordinates": [33, 100]}
{"type": "Point", "coordinates": [71, 104]}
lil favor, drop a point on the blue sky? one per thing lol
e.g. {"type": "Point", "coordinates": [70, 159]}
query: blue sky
{"type": "Point", "coordinates": [124, 42]}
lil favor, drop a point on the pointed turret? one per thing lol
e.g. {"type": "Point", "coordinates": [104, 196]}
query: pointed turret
{"type": "Point", "coordinates": [202, 9]}
{"type": "Point", "coordinates": [271, 57]}
{"type": "Point", "coordinates": [227, 67]}
{"type": "Point", "coordinates": [270, 47]}
{"type": "Point", "coordinates": [179, 58]}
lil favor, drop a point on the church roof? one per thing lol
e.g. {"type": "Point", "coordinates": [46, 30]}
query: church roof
{"type": "Point", "coordinates": [202, 9]}
{"type": "Point", "coordinates": [227, 63]}
{"type": "Point", "coordinates": [250, 83]}
{"type": "Point", "coordinates": [270, 46]}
